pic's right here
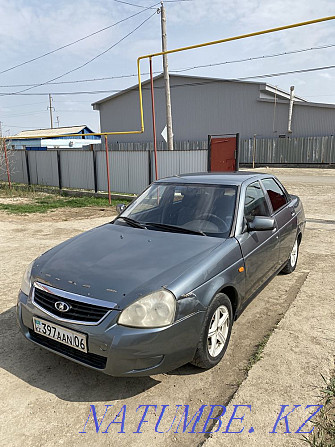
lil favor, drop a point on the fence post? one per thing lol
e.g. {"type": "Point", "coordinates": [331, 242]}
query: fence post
{"type": "Point", "coordinates": [253, 152]}
{"type": "Point", "coordinates": [27, 166]}
{"type": "Point", "coordinates": [95, 171]}
{"type": "Point", "coordinates": [59, 171]}
{"type": "Point", "coordinates": [237, 152]}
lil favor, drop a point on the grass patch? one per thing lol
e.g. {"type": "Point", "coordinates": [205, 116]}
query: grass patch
{"type": "Point", "coordinates": [45, 204]}
{"type": "Point", "coordinates": [258, 354]}
{"type": "Point", "coordinates": [23, 190]}
{"type": "Point", "coordinates": [36, 202]}
{"type": "Point", "coordinates": [323, 434]}
{"type": "Point", "coordinates": [19, 191]}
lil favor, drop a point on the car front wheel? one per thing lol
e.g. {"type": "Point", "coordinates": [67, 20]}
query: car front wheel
{"type": "Point", "coordinates": [215, 333]}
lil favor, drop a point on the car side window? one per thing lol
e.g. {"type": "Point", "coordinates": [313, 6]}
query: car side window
{"type": "Point", "coordinates": [275, 193]}
{"type": "Point", "coordinates": [255, 203]}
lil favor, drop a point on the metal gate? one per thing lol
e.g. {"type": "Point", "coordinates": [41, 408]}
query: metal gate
{"type": "Point", "coordinates": [223, 153]}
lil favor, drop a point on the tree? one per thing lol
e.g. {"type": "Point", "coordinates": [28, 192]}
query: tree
{"type": "Point", "coordinates": [6, 158]}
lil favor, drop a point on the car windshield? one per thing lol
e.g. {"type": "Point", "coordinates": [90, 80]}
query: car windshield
{"type": "Point", "coordinates": [192, 208]}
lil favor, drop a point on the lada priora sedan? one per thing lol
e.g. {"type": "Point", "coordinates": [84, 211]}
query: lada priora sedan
{"type": "Point", "coordinates": [162, 284]}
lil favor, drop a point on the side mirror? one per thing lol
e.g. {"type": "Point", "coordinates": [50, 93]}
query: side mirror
{"type": "Point", "coordinates": [120, 207]}
{"type": "Point", "coordinates": [261, 223]}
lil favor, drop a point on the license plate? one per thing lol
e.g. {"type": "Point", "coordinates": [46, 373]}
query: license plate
{"type": "Point", "coordinates": [66, 336]}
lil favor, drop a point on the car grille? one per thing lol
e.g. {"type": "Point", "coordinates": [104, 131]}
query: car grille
{"type": "Point", "coordinates": [97, 361]}
{"type": "Point", "coordinates": [79, 311]}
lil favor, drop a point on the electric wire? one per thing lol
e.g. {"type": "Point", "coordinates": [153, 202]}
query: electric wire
{"type": "Point", "coordinates": [133, 4]}
{"type": "Point", "coordinates": [87, 62]}
{"type": "Point", "coordinates": [179, 70]}
{"type": "Point", "coordinates": [207, 81]}
{"type": "Point", "coordinates": [285, 53]}
{"type": "Point", "coordinates": [76, 41]}
{"type": "Point", "coordinates": [283, 73]}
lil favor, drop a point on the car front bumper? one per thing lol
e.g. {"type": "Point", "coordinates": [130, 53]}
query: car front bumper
{"type": "Point", "coordinates": [118, 350]}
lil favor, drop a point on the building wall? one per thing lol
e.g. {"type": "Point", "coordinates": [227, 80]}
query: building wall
{"type": "Point", "coordinates": [313, 120]}
{"type": "Point", "coordinates": [202, 107]}
{"type": "Point", "coordinates": [22, 144]}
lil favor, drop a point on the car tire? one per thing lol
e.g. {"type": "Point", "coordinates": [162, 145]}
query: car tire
{"type": "Point", "coordinates": [214, 338]}
{"type": "Point", "coordinates": [292, 260]}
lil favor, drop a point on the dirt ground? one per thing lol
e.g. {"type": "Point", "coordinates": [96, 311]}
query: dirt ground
{"type": "Point", "coordinates": [46, 399]}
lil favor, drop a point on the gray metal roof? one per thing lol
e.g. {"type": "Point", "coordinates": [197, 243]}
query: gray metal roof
{"type": "Point", "coordinates": [280, 94]}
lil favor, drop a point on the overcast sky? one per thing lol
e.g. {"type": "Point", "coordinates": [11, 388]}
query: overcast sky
{"type": "Point", "coordinates": [30, 28]}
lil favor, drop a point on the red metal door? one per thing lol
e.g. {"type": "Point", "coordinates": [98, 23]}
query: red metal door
{"type": "Point", "coordinates": [223, 154]}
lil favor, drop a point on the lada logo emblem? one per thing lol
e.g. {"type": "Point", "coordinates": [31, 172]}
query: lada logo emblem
{"type": "Point", "coordinates": [61, 306]}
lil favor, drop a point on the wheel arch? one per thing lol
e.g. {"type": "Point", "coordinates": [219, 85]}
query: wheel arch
{"type": "Point", "coordinates": [232, 294]}
{"type": "Point", "coordinates": [299, 237]}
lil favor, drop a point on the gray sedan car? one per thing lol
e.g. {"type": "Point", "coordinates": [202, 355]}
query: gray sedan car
{"type": "Point", "coordinates": [162, 284]}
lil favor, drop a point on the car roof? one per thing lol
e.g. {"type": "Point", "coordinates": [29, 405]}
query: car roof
{"type": "Point", "coordinates": [215, 178]}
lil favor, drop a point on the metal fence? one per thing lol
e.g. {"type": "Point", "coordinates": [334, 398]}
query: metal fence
{"type": "Point", "coordinates": [130, 171]}
{"type": "Point", "coordinates": [298, 151]}
{"type": "Point", "coordinates": [149, 146]}
{"type": "Point", "coordinates": [133, 170]}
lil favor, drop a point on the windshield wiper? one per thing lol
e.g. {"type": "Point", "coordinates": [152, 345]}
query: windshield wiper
{"type": "Point", "coordinates": [132, 222]}
{"type": "Point", "coordinates": [174, 228]}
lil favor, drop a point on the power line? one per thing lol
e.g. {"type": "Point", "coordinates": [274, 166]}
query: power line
{"type": "Point", "coordinates": [151, 7]}
{"type": "Point", "coordinates": [270, 75]}
{"type": "Point", "coordinates": [207, 81]}
{"type": "Point", "coordinates": [179, 70]}
{"type": "Point", "coordinates": [22, 105]}
{"type": "Point", "coordinates": [133, 4]}
{"type": "Point", "coordinates": [76, 41]}
{"type": "Point", "coordinates": [19, 127]}
{"type": "Point", "coordinates": [61, 93]}
{"type": "Point", "coordinates": [24, 114]}
{"type": "Point", "coordinates": [74, 82]}
{"type": "Point", "coordinates": [39, 112]}
{"type": "Point", "coordinates": [314, 96]}
{"type": "Point", "coordinates": [285, 53]}
{"type": "Point", "coordinates": [89, 61]}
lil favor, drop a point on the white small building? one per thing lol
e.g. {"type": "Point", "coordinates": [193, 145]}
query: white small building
{"type": "Point", "coordinates": [31, 140]}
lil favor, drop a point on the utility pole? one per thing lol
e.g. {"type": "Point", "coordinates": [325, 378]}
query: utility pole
{"type": "Point", "coordinates": [166, 81]}
{"type": "Point", "coordinates": [290, 110]}
{"type": "Point", "coordinates": [50, 108]}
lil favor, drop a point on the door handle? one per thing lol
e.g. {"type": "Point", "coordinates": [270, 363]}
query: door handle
{"type": "Point", "coordinates": [292, 213]}
{"type": "Point", "coordinates": [274, 230]}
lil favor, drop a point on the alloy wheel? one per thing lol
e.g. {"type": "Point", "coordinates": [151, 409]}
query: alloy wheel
{"type": "Point", "coordinates": [218, 331]}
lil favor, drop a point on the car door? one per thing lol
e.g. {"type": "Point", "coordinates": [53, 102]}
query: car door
{"type": "Point", "coordinates": [285, 216]}
{"type": "Point", "coordinates": [260, 249]}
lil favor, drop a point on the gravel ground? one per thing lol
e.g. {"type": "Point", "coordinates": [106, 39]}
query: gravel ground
{"type": "Point", "coordinates": [47, 398]}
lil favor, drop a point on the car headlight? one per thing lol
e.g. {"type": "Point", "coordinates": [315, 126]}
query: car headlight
{"type": "Point", "coordinates": [155, 310]}
{"type": "Point", "coordinates": [26, 280]}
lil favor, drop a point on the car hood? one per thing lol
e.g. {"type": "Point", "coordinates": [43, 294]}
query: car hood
{"type": "Point", "coordinates": [119, 263]}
